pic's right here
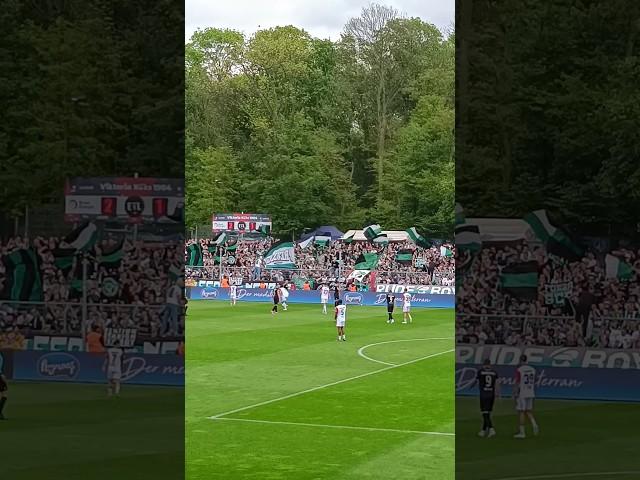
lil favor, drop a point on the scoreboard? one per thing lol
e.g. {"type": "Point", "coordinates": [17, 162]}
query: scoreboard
{"type": "Point", "coordinates": [240, 222]}
{"type": "Point", "coordinates": [125, 199]}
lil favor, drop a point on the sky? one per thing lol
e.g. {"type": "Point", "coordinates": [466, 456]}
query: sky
{"type": "Point", "coordinates": [321, 18]}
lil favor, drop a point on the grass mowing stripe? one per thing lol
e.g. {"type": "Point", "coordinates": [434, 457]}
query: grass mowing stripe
{"type": "Point", "coordinates": [347, 427]}
{"type": "Point", "coordinates": [320, 387]}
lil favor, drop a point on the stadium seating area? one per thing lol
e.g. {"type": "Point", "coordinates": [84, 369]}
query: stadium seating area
{"type": "Point", "coordinates": [320, 264]}
{"type": "Point", "coordinates": [576, 303]}
{"type": "Point", "coordinates": [128, 292]}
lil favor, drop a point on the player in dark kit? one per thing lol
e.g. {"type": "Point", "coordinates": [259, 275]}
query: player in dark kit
{"type": "Point", "coordinates": [488, 385]}
{"type": "Point", "coordinates": [391, 299]}
{"type": "Point", "coordinates": [276, 300]}
{"type": "Point", "coordinates": [336, 296]}
{"type": "Point", "coordinates": [3, 391]}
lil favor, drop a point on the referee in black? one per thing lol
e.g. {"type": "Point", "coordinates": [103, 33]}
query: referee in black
{"type": "Point", "coordinates": [488, 385]}
{"type": "Point", "coordinates": [391, 300]}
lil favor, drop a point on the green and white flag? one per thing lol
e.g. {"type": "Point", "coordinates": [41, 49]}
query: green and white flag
{"type": "Point", "coordinates": [305, 243]}
{"type": "Point", "coordinates": [372, 232]}
{"type": "Point", "coordinates": [112, 256]}
{"type": "Point", "coordinates": [417, 238]}
{"type": "Point", "coordinates": [445, 252]}
{"type": "Point", "coordinates": [282, 255]}
{"type": "Point", "coordinates": [616, 268]}
{"type": "Point", "coordinates": [321, 240]}
{"type": "Point", "coordinates": [83, 238]}
{"type": "Point", "coordinates": [468, 237]}
{"type": "Point", "coordinates": [460, 218]}
{"type": "Point", "coordinates": [222, 238]}
{"type": "Point", "coordinates": [556, 241]}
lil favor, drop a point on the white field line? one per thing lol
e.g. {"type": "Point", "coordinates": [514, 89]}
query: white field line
{"type": "Point", "coordinates": [557, 476]}
{"type": "Point", "coordinates": [346, 427]}
{"type": "Point", "coordinates": [320, 387]}
{"type": "Point", "coordinates": [362, 349]}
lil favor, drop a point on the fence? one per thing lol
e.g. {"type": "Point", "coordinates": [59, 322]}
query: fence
{"type": "Point", "coordinates": [22, 321]}
{"type": "Point", "coordinates": [560, 330]}
{"type": "Point", "coordinates": [239, 275]}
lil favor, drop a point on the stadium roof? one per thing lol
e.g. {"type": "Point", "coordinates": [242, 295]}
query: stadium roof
{"type": "Point", "coordinates": [501, 229]}
{"type": "Point", "coordinates": [392, 235]}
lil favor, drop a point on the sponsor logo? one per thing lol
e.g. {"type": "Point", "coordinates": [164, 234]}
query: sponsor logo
{"type": "Point", "coordinates": [350, 298]}
{"type": "Point", "coordinates": [245, 293]}
{"type": "Point", "coordinates": [419, 289]}
{"type": "Point", "coordinates": [209, 294]}
{"type": "Point", "coordinates": [134, 206]}
{"type": "Point", "coordinates": [135, 366]}
{"type": "Point", "coordinates": [60, 365]}
{"type": "Point", "coordinates": [466, 379]}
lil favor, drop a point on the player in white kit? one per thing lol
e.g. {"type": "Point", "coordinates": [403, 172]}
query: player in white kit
{"type": "Point", "coordinates": [233, 294]}
{"type": "Point", "coordinates": [324, 297]}
{"type": "Point", "coordinates": [341, 319]}
{"type": "Point", "coordinates": [114, 368]}
{"type": "Point", "coordinates": [406, 307]}
{"type": "Point", "coordinates": [284, 294]}
{"type": "Point", "coordinates": [524, 393]}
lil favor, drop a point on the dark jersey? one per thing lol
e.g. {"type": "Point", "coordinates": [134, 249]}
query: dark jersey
{"type": "Point", "coordinates": [391, 299]}
{"type": "Point", "coordinates": [487, 378]}
{"type": "Point", "coordinates": [276, 296]}
{"type": "Point", "coordinates": [336, 294]}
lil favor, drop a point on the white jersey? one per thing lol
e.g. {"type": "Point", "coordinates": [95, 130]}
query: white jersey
{"type": "Point", "coordinates": [341, 315]}
{"type": "Point", "coordinates": [284, 294]}
{"type": "Point", "coordinates": [525, 381]}
{"type": "Point", "coordinates": [233, 291]}
{"type": "Point", "coordinates": [114, 363]}
{"type": "Point", "coordinates": [324, 294]}
{"type": "Point", "coordinates": [406, 302]}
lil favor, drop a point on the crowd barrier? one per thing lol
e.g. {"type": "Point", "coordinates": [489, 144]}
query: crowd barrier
{"type": "Point", "coordinates": [82, 367]}
{"type": "Point", "coordinates": [428, 300]}
{"type": "Point", "coordinates": [562, 372]}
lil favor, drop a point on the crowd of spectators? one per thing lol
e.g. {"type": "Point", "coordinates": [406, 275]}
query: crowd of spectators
{"type": "Point", "coordinates": [132, 292]}
{"type": "Point", "coordinates": [576, 303]}
{"type": "Point", "coordinates": [331, 263]}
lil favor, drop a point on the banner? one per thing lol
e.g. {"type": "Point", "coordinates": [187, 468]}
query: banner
{"type": "Point", "coordinates": [81, 367]}
{"type": "Point", "coordinates": [575, 357]}
{"type": "Point", "coordinates": [426, 289]}
{"type": "Point", "coordinates": [418, 300]}
{"type": "Point", "coordinates": [6, 363]}
{"type": "Point", "coordinates": [555, 293]}
{"type": "Point", "coordinates": [241, 222]}
{"type": "Point", "coordinates": [64, 343]}
{"type": "Point", "coordinates": [566, 383]}
{"type": "Point", "coordinates": [281, 255]}
{"type": "Point", "coordinates": [128, 200]}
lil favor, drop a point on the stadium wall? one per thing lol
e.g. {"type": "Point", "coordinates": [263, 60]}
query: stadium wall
{"type": "Point", "coordinates": [425, 300]}
{"type": "Point", "coordinates": [562, 372]}
{"type": "Point", "coordinates": [82, 367]}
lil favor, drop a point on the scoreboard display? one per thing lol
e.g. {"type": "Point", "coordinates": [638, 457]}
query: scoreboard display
{"type": "Point", "coordinates": [129, 200]}
{"type": "Point", "coordinates": [240, 222]}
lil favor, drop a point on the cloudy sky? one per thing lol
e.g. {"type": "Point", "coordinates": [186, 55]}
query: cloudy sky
{"type": "Point", "coordinates": [321, 18]}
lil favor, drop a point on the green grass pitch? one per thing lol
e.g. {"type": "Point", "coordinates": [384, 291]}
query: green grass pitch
{"type": "Point", "coordinates": [75, 432]}
{"type": "Point", "coordinates": [291, 402]}
{"type": "Point", "coordinates": [578, 440]}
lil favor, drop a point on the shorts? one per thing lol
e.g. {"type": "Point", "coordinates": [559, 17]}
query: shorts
{"type": "Point", "coordinates": [390, 309]}
{"type": "Point", "coordinates": [324, 299]}
{"type": "Point", "coordinates": [486, 404]}
{"type": "Point", "coordinates": [3, 386]}
{"type": "Point", "coordinates": [523, 404]}
{"type": "Point", "coordinates": [340, 323]}
{"type": "Point", "coordinates": [276, 302]}
{"type": "Point", "coordinates": [406, 308]}
{"type": "Point", "coordinates": [114, 374]}
{"type": "Point", "coordinates": [233, 297]}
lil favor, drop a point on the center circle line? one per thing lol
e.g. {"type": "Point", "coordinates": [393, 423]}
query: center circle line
{"type": "Point", "coordinates": [362, 349]}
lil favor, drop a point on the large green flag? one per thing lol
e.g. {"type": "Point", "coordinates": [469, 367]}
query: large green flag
{"type": "Point", "coordinates": [84, 237]}
{"type": "Point", "coordinates": [112, 256]}
{"type": "Point", "coordinates": [194, 255]}
{"type": "Point", "coordinates": [372, 232]}
{"type": "Point", "coordinates": [417, 238]}
{"type": "Point", "coordinates": [616, 268]}
{"type": "Point", "coordinates": [520, 280]}
{"type": "Point", "coordinates": [556, 241]}
{"type": "Point", "coordinates": [23, 281]}
{"type": "Point", "coordinates": [404, 256]}
{"type": "Point", "coordinates": [281, 255]}
{"type": "Point", "coordinates": [468, 237]}
{"type": "Point", "coordinates": [366, 261]}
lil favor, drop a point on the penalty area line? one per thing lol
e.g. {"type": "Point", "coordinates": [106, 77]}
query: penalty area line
{"type": "Point", "coordinates": [343, 427]}
{"type": "Point", "coordinates": [320, 387]}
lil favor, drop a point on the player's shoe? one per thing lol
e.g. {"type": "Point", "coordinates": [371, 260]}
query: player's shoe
{"type": "Point", "coordinates": [536, 430]}
{"type": "Point", "coordinates": [492, 433]}
{"type": "Point", "coordinates": [519, 435]}
{"type": "Point", "coordinates": [404, 321]}
{"type": "Point", "coordinates": [482, 433]}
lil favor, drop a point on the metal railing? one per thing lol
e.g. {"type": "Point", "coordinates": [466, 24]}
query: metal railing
{"type": "Point", "coordinates": [75, 318]}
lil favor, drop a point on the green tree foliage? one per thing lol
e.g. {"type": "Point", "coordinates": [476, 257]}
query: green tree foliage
{"type": "Point", "coordinates": [321, 132]}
